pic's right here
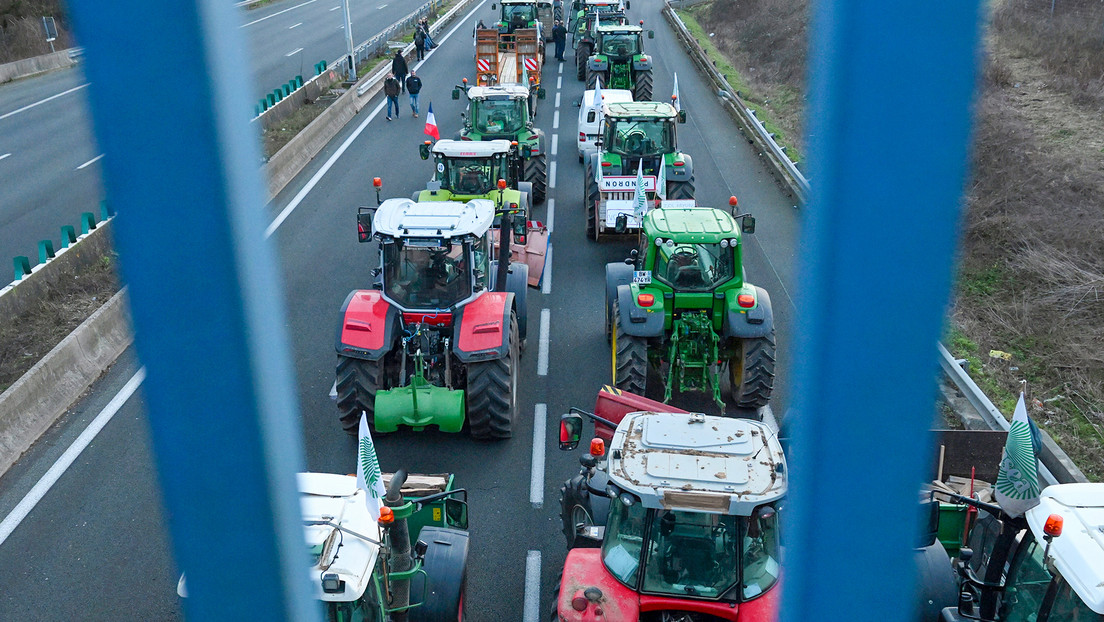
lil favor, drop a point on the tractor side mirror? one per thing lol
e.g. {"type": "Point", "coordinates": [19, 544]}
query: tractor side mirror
{"type": "Point", "coordinates": [456, 513]}
{"type": "Point", "coordinates": [682, 116]}
{"type": "Point", "coordinates": [423, 150]}
{"type": "Point", "coordinates": [456, 93]}
{"type": "Point", "coordinates": [521, 228]}
{"type": "Point", "coordinates": [571, 430]}
{"type": "Point", "coordinates": [622, 223]}
{"type": "Point", "coordinates": [626, 5]}
{"type": "Point", "coordinates": [747, 224]}
{"type": "Point", "coordinates": [651, 34]}
{"type": "Point", "coordinates": [541, 93]}
{"type": "Point", "coordinates": [364, 223]}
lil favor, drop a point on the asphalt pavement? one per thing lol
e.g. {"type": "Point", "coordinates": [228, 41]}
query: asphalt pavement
{"type": "Point", "coordinates": [95, 545]}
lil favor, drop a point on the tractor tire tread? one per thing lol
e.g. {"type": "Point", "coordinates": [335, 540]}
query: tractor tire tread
{"type": "Point", "coordinates": [642, 89]}
{"type": "Point", "coordinates": [536, 173]}
{"type": "Point", "coordinates": [631, 373]}
{"type": "Point", "coordinates": [357, 383]}
{"type": "Point", "coordinates": [491, 399]}
{"type": "Point", "coordinates": [759, 361]}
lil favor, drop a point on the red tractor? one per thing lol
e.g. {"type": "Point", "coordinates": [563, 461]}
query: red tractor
{"type": "Point", "coordinates": [677, 522]}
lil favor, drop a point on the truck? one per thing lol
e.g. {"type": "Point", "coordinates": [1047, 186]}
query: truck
{"type": "Point", "coordinates": [636, 137]}
{"type": "Point", "coordinates": [437, 339]}
{"type": "Point", "coordinates": [619, 60]}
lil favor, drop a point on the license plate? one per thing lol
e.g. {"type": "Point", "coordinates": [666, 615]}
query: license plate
{"type": "Point", "coordinates": [642, 277]}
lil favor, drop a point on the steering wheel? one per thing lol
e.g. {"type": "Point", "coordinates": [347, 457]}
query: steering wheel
{"type": "Point", "coordinates": [634, 143]}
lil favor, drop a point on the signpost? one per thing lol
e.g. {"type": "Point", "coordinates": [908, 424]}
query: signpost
{"type": "Point", "coordinates": [51, 31]}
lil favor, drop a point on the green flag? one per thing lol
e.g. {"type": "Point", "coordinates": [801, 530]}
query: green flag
{"type": "Point", "coordinates": [640, 199]}
{"type": "Point", "coordinates": [369, 477]}
{"type": "Point", "coordinates": [1017, 487]}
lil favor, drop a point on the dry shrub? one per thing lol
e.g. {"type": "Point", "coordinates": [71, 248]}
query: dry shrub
{"type": "Point", "coordinates": [22, 34]}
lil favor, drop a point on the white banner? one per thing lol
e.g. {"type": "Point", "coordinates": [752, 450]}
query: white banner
{"type": "Point", "coordinates": [615, 208]}
{"type": "Point", "coordinates": [625, 183]}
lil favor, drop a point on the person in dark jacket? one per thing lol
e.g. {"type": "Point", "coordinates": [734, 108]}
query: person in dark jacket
{"type": "Point", "coordinates": [559, 37]}
{"type": "Point", "coordinates": [414, 86]}
{"type": "Point", "coordinates": [419, 43]}
{"type": "Point", "coordinates": [391, 91]}
{"type": "Point", "coordinates": [398, 67]}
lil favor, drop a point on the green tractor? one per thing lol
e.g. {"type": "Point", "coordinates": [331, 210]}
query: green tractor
{"type": "Point", "coordinates": [515, 14]}
{"type": "Point", "coordinates": [634, 136]}
{"type": "Point", "coordinates": [681, 305]}
{"type": "Point", "coordinates": [507, 112]}
{"type": "Point", "coordinates": [587, 14]}
{"type": "Point", "coordinates": [620, 61]}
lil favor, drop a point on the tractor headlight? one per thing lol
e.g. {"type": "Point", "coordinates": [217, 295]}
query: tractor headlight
{"type": "Point", "coordinates": [670, 243]}
{"type": "Point", "coordinates": [659, 242]}
{"type": "Point", "coordinates": [724, 243]}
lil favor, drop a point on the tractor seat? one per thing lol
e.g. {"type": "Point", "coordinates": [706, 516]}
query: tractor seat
{"type": "Point", "coordinates": [470, 183]}
{"type": "Point", "coordinates": [689, 276]}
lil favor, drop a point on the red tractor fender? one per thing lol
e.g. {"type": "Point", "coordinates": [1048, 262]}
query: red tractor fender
{"type": "Point", "coordinates": [481, 328]}
{"type": "Point", "coordinates": [367, 325]}
{"type": "Point", "coordinates": [613, 404]}
{"type": "Point", "coordinates": [583, 569]}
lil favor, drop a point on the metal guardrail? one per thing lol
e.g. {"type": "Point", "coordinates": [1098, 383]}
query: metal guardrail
{"type": "Point", "coordinates": [1055, 466]}
{"type": "Point", "coordinates": [378, 43]}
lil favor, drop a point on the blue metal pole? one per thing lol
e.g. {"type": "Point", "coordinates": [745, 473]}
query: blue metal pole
{"type": "Point", "coordinates": [183, 170]}
{"type": "Point", "coordinates": [891, 87]}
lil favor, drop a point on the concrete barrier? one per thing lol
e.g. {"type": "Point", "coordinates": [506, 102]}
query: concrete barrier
{"type": "Point", "coordinates": [38, 64]}
{"type": "Point", "coordinates": [31, 405]}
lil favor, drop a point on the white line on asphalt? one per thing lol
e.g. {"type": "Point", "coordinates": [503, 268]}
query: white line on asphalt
{"type": "Point", "coordinates": [557, 99]}
{"type": "Point", "coordinates": [295, 26]}
{"type": "Point", "coordinates": [43, 101]}
{"type": "Point", "coordinates": [546, 278]}
{"type": "Point", "coordinates": [551, 224]}
{"type": "Point", "coordinates": [531, 609]}
{"type": "Point", "coordinates": [556, 120]}
{"type": "Point", "coordinates": [555, 143]}
{"type": "Point", "coordinates": [335, 8]}
{"type": "Point", "coordinates": [542, 349]}
{"type": "Point", "coordinates": [4, 156]}
{"type": "Point", "coordinates": [536, 479]}
{"type": "Point", "coordinates": [279, 13]}
{"type": "Point", "coordinates": [39, 490]}
{"type": "Point", "coordinates": [90, 161]}
{"type": "Point", "coordinates": [341, 27]}
{"type": "Point", "coordinates": [559, 82]}
{"type": "Point", "coordinates": [380, 6]}
{"type": "Point", "coordinates": [552, 176]}
{"type": "Point", "coordinates": [348, 141]}
{"type": "Point", "coordinates": [561, 69]}
{"type": "Point", "coordinates": [294, 52]}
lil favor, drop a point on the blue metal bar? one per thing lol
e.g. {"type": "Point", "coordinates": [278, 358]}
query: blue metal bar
{"type": "Point", "coordinates": [183, 172]}
{"type": "Point", "coordinates": [891, 87]}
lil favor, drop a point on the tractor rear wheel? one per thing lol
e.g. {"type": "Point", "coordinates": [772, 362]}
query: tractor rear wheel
{"type": "Point", "coordinates": [630, 357]}
{"type": "Point", "coordinates": [680, 189]}
{"type": "Point", "coordinates": [751, 372]}
{"type": "Point", "coordinates": [582, 54]}
{"type": "Point", "coordinates": [642, 88]}
{"type": "Point", "coordinates": [492, 392]}
{"type": "Point", "coordinates": [592, 78]}
{"type": "Point", "coordinates": [357, 383]}
{"type": "Point", "coordinates": [590, 200]}
{"type": "Point", "coordinates": [536, 172]}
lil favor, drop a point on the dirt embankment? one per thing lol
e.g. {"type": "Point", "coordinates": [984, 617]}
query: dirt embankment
{"type": "Point", "coordinates": [1031, 275]}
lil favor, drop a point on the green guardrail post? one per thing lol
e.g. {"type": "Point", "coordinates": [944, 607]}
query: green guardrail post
{"type": "Point", "coordinates": [299, 81]}
{"type": "Point", "coordinates": [88, 222]}
{"type": "Point", "coordinates": [288, 88]}
{"type": "Point", "coordinates": [68, 235]}
{"type": "Point", "coordinates": [45, 250]}
{"type": "Point", "coordinates": [22, 267]}
{"type": "Point", "coordinates": [323, 63]}
{"type": "Point", "coordinates": [257, 110]}
{"type": "Point", "coordinates": [278, 94]}
{"type": "Point", "coordinates": [271, 99]}
{"type": "Point", "coordinates": [105, 210]}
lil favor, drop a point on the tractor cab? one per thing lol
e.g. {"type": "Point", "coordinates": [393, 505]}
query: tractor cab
{"type": "Point", "coordinates": [636, 130]}
{"type": "Point", "coordinates": [472, 168]}
{"type": "Point", "coordinates": [691, 249]}
{"type": "Point", "coordinates": [620, 43]}
{"type": "Point", "coordinates": [515, 14]}
{"type": "Point", "coordinates": [498, 112]}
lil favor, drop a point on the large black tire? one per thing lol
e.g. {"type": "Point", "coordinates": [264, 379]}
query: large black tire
{"type": "Point", "coordinates": [357, 383]}
{"type": "Point", "coordinates": [592, 78]}
{"type": "Point", "coordinates": [492, 392]}
{"type": "Point", "coordinates": [642, 89]}
{"type": "Point", "coordinates": [582, 54]}
{"type": "Point", "coordinates": [590, 201]}
{"type": "Point", "coordinates": [630, 360]}
{"type": "Point", "coordinates": [445, 580]}
{"type": "Point", "coordinates": [536, 173]}
{"type": "Point", "coordinates": [574, 509]}
{"type": "Point", "coordinates": [680, 189]}
{"type": "Point", "coordinates": [751, 373]}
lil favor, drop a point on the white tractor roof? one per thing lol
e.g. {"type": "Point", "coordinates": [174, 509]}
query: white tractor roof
{"type": "Point", "coordinates": [697, 462]}
{"type": "Point", "coordinates": [1079, 552]}
{"type": "Point", "coordinates": [471, 148]}
{"type": "Point", "coordinates": [336, 498]}
{"type": "Point", "coordinates": [512, 90]}
{"type": "Point", "coordinates": [403, 218]}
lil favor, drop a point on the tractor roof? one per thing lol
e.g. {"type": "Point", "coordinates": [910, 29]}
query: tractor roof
{"type": "Point", "coordinates": [603, 3]}
{"type": "Point", "coordinates": [471, 148]}
{"type": "Point", "coordinates": [433, 219]}
{"type": "Point", "coordinates": [703, 225]}
{"type": "Point", "coordinates": [659, 110]}
{"type": "Point", "coordinates": [1079, 552]}
{"type": "Point", "coordinates": [618, 29]}
{"type": "Point", "coordinates": [516, 91]}
{"type": "Point", "coordinates": [697, 463]}
{"type": "Point", "coordinates": [336, 498]}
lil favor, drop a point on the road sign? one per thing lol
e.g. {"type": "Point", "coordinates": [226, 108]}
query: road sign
{"type": "Point", "coordinates": [51, 28]}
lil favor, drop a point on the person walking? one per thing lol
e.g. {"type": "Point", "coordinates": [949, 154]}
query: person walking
{"type": "Point", "coordinates": [419, 43]}
{"type": "Point", "coordinates": [428, 38]}
{"type": "Point", "coordinates": [391, 91]}
{"type": "Point", "coordinates": [398, 68]}
{"type": "Point", "coordinates": [559, 37]}
{"type": "Point", "coordinates": [414, 86]}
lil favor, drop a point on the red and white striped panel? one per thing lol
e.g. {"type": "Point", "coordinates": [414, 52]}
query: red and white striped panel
{"type": "Point", "coordinates": [531, 64]}
{"type": "Point", "coordinates": [483, 64]}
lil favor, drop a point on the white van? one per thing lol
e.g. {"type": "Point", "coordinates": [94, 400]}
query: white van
{"type": "Point", "coordinates": [590, 117]}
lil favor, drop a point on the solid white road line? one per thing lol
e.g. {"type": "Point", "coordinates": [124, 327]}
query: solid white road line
{"type": "Point", "coordinates": [536, 479]}
{"type": "Point", "coordinates": [546, 278]}
{"type": "Point", "coordinates": [4, 156]}
{"type": "Point", "coordinates": [555, 143]}
{"type": "Point", "coordinates": [542, 350]}
{"type": "Point", "coordinates": [552, 175]}
{"type": "Point", "coordinates": [279, 13]}
{"type": "Point", "coordinates": [12, 520]}
{"type": "Point", "coordinates": [556, 120]}
{"type": "Point", "coordinates": [42, 101]}
{"type": "Point", "coordinates": [348, 141]}
{"type": "Point", "coordinates": [295, 26]}
{"type": "Point", "coordinates": [294, 52]}
{"type": "Point", "coordinates": [531, 608]}
{"type": "Point", "coordinates": [93, 160]}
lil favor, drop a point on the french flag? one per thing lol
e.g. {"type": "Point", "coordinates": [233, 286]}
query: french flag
{"type": "Point", "coordinates": [431, 124]}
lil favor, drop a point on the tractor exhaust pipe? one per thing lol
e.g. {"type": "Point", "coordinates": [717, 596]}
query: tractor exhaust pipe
{"type": "Point", "coordinates": [399, 559]}
{"type": "Point", "coordinates": [505, 230]}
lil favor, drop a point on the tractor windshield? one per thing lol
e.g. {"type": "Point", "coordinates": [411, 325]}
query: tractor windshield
{"type": "Point", "coordinates": [426, 277]}
{"type": "Point", "coordinates": [621, 45]}
{"type": "Point", "coordinates": [640, 137]}
{"type": "Point", "coordinates": [519, 15]}
{"type": "Point", "coordinates": [695, 267]}
{"type": "Point", "coordinates": [472, 176]}
{"type": "Point", "coordinates": [498, 116]}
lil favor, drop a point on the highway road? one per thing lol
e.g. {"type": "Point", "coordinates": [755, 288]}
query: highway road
{"type": "Point", "coordinates": [49, 167]}
{"type": "Point", "coordinates": [96, 545]}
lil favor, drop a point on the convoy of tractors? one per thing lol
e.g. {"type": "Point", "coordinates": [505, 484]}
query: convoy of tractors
{"type": "Point", "coordinates": [674, 515]}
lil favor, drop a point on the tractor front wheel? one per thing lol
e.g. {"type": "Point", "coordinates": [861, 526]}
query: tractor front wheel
{"type": "Point", "coordinates": [582, 54]}
{"type": "Point", "coordinates": [680, 189]}
{"type": "Point", "coordinates": [492, 392]}
{"type": "Point", "coordinates": [751, 372]}
{"type": "Point", "coordinates": [630, 357]}
{"type": "Point", "coordinates": [357, 383]}
{"type": "Point", "coordinates": [536, 172]}
{"type": "Point", "coordinates": [642, 88]}
{"type": "Point", "coordinates": [573, 510]}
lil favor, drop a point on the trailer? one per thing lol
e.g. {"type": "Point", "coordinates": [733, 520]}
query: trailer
{"type": "Point", "coordinates": [514, 58]}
